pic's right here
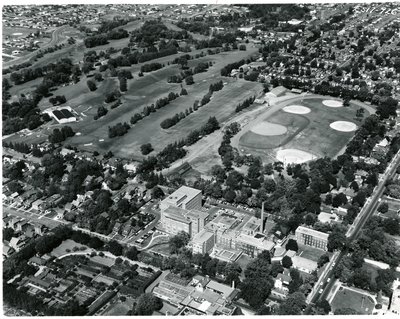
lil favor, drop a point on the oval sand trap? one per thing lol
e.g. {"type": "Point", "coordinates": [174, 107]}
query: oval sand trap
{"type": "Point", "coordinates": [343, 126]}
{"type": "Point", "coordinates": [296, 109]}
{"type": "Point", "coordinates": [294, 156]}
{"type": "Point", "coordinates": [332, 103]}
{"type": "Point", "coordinates": [17, 33]}
{"type": "Point", "coordinates": [269, 129]}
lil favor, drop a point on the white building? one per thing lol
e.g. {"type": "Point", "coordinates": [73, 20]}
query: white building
{"type": "Point", "coordinates": [185, 197]}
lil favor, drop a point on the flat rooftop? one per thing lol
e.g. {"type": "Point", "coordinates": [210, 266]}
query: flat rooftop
{"type": "Point", "coordinates": [177, 214]}
{"type": "Point", "coordinates": [62, 114]}
{"type": "Point", "coordinates": [312, 232]}
{"type": "Point", "coordinates": [203, 236]}
{"type": "Point", "coordinates": [197, 213]}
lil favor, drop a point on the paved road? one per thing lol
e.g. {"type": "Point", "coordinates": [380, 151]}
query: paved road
{"type": "Point", "coordinates": [40, 219]}
{"type": "Point", "coordinates": [55, 38]}
{"type": "Point", "coordinates": [353, 232]}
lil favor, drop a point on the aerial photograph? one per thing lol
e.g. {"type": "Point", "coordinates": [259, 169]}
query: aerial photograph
{"type": "Point", "coordinates": [201, 159]}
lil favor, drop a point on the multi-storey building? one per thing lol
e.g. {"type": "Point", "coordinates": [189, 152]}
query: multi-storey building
{"type": "Point", "coordinates": [185, 197]}
{"type": "Point", "coordinates": [311, 237]}
{"type": "Point", "coordinates": [175, 219]}
{"type": "Point", "coordinates": [203, 242]}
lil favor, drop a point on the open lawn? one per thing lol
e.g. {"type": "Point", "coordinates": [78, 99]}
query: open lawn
{"type": "Point", "coordinates": [310, 252]}
{"type": "Point", "coordinates": [62, 249]}
{"type": "Point", "coordinates": [16, 32]}
{"type": "Point", "coordinates": [145, 91]}
{"type": "Point", "coordinates": [307, 133]}
{"type": "Point", "coordinates": [162, 249]}
{"type": "Point", "coordinates": [346, 298]}
{"type": "Point", "coordinates": [118, 307]}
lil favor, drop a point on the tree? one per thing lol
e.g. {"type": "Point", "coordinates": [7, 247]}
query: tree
{"type": "Point", "coordinates": [292, 245]}
{"type": "Point", "coordinates": [324, 305]}
{"type": "Point", "coordinates": [293, 305]}
{"type": "Point", "coordinates": [229, 195]}
{"type": "Point", "coordinates": [132, 253]}
{"type": "Point", "coordinates": [157, 193]}
{"type": "Point", "coordinates": [178, 241]}
{"type": "Point", "coordinates": [91, 85]}
{"type": "Point", "coordinates": [115, 248]}
{"type": "Point", "coordinates": [8, 233]}
{"type": "Point", "coordinates": [123, 85]}
{"type": "Point", "coordinates": [383, 208]}
{"type": "Point", "coordinates": [189, 80]}
{"type": "Point", "coordinates": [391, 226]}
{"type": "Point", "coordinates": [323, 259]}
{"type": "Point", "coordinates": [339, 200]}
{"type": "Point", "coordinates": [287, 262]}
{"type": "Point", "coordinates": [146, 304]}
{"type": "Point", "coordinates": [337, 238]}
{"type": "Point", "coordinates": [146, 148]}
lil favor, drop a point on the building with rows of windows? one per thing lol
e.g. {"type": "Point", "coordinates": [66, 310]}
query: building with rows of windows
{"type": "Point", "coordinates": [311, 237]}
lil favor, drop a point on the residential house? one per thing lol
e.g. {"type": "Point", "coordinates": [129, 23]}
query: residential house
{"type": "Point", "coordinates": [7, 250]}
{"type": "Point", "coordinates": [281, 285]}
{"type": "Point", "coordinates": [17, 243]}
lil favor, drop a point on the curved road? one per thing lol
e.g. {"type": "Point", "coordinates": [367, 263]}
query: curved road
{"type": "Point", "coordinates": [55, 38]}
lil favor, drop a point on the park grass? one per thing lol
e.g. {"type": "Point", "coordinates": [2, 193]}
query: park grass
{"type": "Point", "coordinates": [145, 91]}
{"type": "Point", "coordinates": [7, 31]}
{"type": "Point", "coordinates": [316, 137]}
{"type": "Point", "coordinates": [293, 123]}
{"type": "Point", "coordinates": [118, 307]}
{"type": "Point", "coordinates": [346, 298]}
{"type": "Point", "coordinates": [66, 244]}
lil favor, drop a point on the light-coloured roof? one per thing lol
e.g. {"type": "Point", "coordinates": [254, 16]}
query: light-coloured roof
{"type": "Point", "coordinates": [183, 195]}
{"type": "Point", "coordinates": [197, 214]}
{"type": "Point", "coordinates": [176, 213]}
{"type": "Point", "coordinates": [225, 290]}
{"type": "Point", "coordinates": [202, 236]}
{"type": "Point", "coordinates": [312, 232]}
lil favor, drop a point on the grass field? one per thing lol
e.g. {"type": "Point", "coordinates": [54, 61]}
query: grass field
{"type": "Point", "coordinates": [346, 298]}
{"type": "Point", "coordinates": [293, 123]}
{"type": "Point", "coordinates": [307, 132]}
{"type": "Point", "coordinates": [310, 252]}
{"type": "Point", "coordinates": [118, 307]}
{"type": "Point", "coordinates": [66, 244]}
{"type": "Point", "coordinates": [145, 91]}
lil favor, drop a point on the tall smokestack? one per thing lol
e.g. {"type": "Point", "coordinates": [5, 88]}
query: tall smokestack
{"type": "Point", "coordinates": [262, 218]}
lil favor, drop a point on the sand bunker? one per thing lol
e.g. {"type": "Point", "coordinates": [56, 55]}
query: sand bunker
{"type": "Point", "coordinates": [296, 109]}
{"type": "Point", "coordinates": [332, 103]}
{"type": "Point", "coordinates": [17, 33]}
{"type": "Point", "coordinates": [293, 156]}
{"type": "Point", "coordinates": [343, 126]}
{"type": "Point", "coordinates": [269, 129]}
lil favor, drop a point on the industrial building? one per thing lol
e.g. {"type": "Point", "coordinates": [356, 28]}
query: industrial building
{"type": "Point", "coordinates": [240, 232]}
